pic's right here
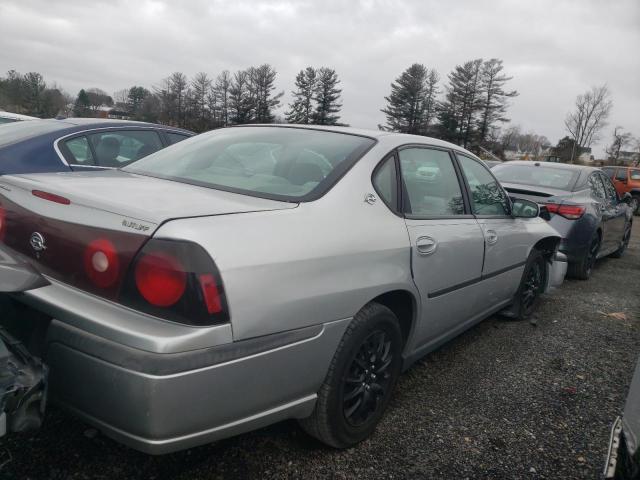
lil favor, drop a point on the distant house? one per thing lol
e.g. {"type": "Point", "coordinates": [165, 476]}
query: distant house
{"type": "Point", "coordinates": [518, 154]}
{"type": "Point", "coordinates": [104, 111]}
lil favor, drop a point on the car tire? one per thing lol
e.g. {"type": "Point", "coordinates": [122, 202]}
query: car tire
{"type": "Point", "coordinates": [531, 286]}
{"type": "Point", "coordinates": [354, 395]}
{"type": "Point", "coordinates": [582, 269]}
{"type": "Point", "coordinates": [625, 242]}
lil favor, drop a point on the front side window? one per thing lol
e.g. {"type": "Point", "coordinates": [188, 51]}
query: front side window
{"type": "Point", "coordinates": [273, 162]}
{"type": "Point", "coordinates": [7, 120]}
{"type": "Point", "coordinates": [121, 147]}
{"type": "Point", "coordinates": [596, 187]}
{"type": "Point", "coordinates": [487, 197]}
{"type": "Point", "coordinates": [385, 182]}
{"type": "Point", "coordinates": [80, 151]}
{"type": "Point", "coordinates": [634, 174]}
{"type": "Point", "coordinates": [430, 183]}
{"type": "Point", "coordinates": [621, 175]}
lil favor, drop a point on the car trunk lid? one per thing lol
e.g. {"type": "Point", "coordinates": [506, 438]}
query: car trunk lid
{"type": "Point", "coordinates": [84, 229]}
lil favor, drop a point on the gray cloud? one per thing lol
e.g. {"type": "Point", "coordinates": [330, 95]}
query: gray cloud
{"type": "Point", "coordinates": [554, 49]}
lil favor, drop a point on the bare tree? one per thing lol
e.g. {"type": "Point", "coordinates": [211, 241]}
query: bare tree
{"type": "Point", "coordinates": [620, 140]}
{"type": "Point", "coordinates": [589, 117]}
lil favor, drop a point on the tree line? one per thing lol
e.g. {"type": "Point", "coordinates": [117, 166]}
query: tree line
{"type": "Point", "coordinates": [468, 108]}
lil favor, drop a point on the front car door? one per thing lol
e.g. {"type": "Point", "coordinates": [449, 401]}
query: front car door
{"type": "Point", "coordinates": [507, 239]}
{"type": "Point", "coordinates": [614, 214]}
{"type": "Point", "coordinates": [446, 242]}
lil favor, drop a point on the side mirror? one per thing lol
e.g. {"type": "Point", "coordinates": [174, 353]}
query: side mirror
{"type": "Point", "coordinates": [626, 198]}
{"type": "Point", "coordinates": [521, 208]}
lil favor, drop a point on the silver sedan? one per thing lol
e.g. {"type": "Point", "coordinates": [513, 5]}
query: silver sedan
{"type": "Point", "coordinates": [259, 273]}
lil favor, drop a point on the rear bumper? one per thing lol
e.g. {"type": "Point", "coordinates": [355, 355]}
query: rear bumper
{"type": "Point", "coordinates": [557, 271]}
{"type": "Point", "coordinates": [159, 403]}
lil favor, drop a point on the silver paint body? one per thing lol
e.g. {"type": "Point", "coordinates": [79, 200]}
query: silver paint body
{"type": "Point", "coordinates": [285, 266]}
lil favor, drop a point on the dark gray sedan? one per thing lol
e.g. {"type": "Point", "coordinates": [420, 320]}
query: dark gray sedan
{"type": "Point", "coordinates": [583, 207]}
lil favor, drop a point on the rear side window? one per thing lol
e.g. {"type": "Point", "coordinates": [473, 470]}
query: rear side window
{"type": "Point", "coordinates": [608, 171]}
{"type": "Point", "coordinates": [596, 186]}
{"type": "Point", "coordinates": [609, 189]}
{"type": "Point", "coordinates": [385, 182]}
{"type": "Point", "coordinates": [7, 120]}
{"type": "Point", "coordinates": [430, 183]}
{"type": "Point", "coordinates": [121, 147]}
{"type": "Point", "coordinates": [487, 197]}
{"type": "Point", "coordinates": [80, 151]}
{"type": "Point", "coordinates": [175, 137]}
{"type": "Point", "coordinates": [621, 175]}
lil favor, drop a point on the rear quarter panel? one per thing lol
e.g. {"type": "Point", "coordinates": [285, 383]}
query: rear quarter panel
{"type": "Point", "coordinates": [319, 262]}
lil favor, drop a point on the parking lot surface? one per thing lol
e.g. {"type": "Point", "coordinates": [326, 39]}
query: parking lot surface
{"type": "Point", "coordinates": [504, 400]}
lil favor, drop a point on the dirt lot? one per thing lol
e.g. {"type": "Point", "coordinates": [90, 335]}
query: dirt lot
{"type": "Point", "coordinates": [505, 400]}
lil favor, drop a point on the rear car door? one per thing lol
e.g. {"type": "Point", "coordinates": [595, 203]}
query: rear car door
{"type": "Point", "coordinates": [599, 197]}
{"type": "Point", "coordinates": [446, 242]}
{"type": "Point", "coordinates": [614, 213]}
{"type": "Point", "coordinates": [507, 241]}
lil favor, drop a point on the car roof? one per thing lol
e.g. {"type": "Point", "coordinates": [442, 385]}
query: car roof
{"type": "Point", "coordinates": [562, 166]}
{"type": "Point", "coordinates": [16, 116]}
{"type": "Point", "coordinates": [395, 137]}
{"type": "Point", "coordinates": [109, 122]}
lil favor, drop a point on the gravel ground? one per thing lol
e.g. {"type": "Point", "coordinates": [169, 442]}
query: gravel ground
{"type": "Point", "coordinates": [505, 400]}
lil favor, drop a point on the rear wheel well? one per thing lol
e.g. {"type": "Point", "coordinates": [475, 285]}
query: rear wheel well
{"type": "Point", "coordinates": [402, 303]}
{"type": "Point", "coordinates": [547, 246]}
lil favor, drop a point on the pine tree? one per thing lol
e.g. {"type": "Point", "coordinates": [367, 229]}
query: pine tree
{"type": "Point", "coordinates": [327, 97]}
{"type": "Point", "coordinates": [301, 110]}
{"type": "Point", "coordinates": [82, 106]}
{"type": "Point", "coordinates": [495, 99]}
{"type": "Point", "coordinates": [462, 102]}
{"type": "Point", "coordinates": [240, 101]}
{"type": "Point", "coordinates": [261, 86]}
{"type": "Point", "coordinates": [406, 104]}
{"type": "Point", "coordinates": [200, 115]}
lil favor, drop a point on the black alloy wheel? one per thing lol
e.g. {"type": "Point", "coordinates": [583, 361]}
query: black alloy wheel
{"type": "Point", "coordinates": [368, 379]}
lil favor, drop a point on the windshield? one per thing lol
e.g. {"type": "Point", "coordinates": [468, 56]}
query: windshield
{"type": "Point", "coordinates": [17, 131]}
{"type": "Point", "coordinates": [539, 176]}
{"type": "Point", "coordinates": [274, 162]}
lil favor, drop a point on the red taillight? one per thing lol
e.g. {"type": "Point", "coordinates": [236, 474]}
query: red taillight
{"type": "Point", "coordinates": [160, 279]}
{"type": "Point", "coordinates": [52, 197]}
{"type": "Point", "coordinates": [101, 263]}
{"type": "Point", "coordinates": [210, 291]}
{"type": "Point", "coordinates": [176, 280]}
{"type": "Point", "coordinates": [571, 212]}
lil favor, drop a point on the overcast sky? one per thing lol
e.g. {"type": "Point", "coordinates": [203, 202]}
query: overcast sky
{"type": "Point", "coordinates": [554, 49]}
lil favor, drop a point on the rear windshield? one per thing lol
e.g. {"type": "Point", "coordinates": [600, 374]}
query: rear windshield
{"type": "Point", "coordinates": [272, 162]}
{"type": "Point", "coordinates": [550, 177]}
{"type": "Point", "coordinates": [634, 174]}
{"type": "Point", "coordinates": [18, 131]}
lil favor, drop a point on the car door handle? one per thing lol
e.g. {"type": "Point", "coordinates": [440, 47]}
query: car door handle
{"type": "Point", "coordinates": [426, 245]}
{"type": "Point", "coordinates": [491, 237]}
